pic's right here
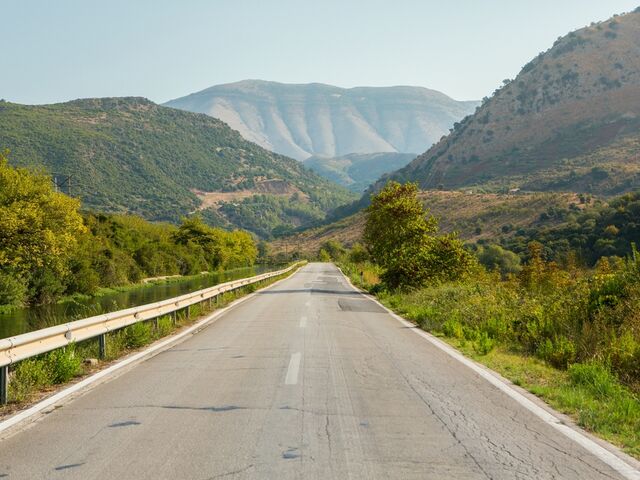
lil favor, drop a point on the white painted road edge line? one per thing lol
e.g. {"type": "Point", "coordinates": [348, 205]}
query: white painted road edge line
{"type": "Point", "coordinates": [292, 371]}
{"type": "Point", "coordinates": [135, 358]}
{"type": "Point", "coordinates": [615, 462]}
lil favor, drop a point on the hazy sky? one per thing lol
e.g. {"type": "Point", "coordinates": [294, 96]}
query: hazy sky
{"type": "Point", "coordinates": [58, 50]}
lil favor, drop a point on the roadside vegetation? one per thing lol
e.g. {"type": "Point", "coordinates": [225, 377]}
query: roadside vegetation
{"type": "Point", "coordinates": [556, 326]}
{"type": "Point", "coordinates": [49, 248]}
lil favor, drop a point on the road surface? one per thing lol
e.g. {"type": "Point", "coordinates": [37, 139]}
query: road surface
{"type": "Point", "coordinates": [306, 380]}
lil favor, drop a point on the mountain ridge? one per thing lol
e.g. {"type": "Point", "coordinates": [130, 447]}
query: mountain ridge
{"type": "Point", "coordinates": [569, 121]}
{"type": "Point", "coordinates": [302, 120]}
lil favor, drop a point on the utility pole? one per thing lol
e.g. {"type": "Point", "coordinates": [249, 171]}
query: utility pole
{"type": "Point", "coordinates": [60, 181]}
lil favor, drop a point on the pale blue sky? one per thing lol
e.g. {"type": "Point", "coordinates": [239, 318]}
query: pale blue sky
{"type": "Point", "coordinates": [58, 50]}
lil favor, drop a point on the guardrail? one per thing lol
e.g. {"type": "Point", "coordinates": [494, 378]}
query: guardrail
{"type": "Point", "coordinates": [27, 345]}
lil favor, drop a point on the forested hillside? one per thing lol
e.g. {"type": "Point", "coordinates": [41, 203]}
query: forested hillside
{"type": "Point", "coordinates": [131, 156]}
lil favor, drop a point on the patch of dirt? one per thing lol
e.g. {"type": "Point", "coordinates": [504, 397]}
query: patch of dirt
{"type": "Point", "coordinates": [277, 187]}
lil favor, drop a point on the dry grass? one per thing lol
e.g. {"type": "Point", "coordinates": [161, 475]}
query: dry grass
{"type": "Point", "coordinates": [278, 188]}
{"type": "Point", "coordinates": [457, 211]}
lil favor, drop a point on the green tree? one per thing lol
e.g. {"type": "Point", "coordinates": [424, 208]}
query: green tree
{"type": "Point", "coordinates": [335, 249]}
{"type": "Point", "coordinates": [494, 257]}
{"type": "Point", "coordinates": [358, 253]}
{"type": "Point", "coordinates": [401, 237]}
{"type": "Point", "coordinates": [38, 231]}
{"type": "Point", "coordinates": [222, 249]}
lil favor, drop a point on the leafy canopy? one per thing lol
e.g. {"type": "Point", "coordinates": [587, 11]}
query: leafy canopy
{"type": "Point", "coordinates": [401, 237]}
{"type": "Point", "coordinates": [38, 226]}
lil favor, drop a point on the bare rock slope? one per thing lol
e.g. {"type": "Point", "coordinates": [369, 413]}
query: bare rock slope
{"type": "Point", "coordinates": [316, 119]}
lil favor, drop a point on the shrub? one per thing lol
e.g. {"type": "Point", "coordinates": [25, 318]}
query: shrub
{"type": "Point", "coordinates": [452, 328]}
{"type": "Point", "coordinates": [324, 255]}
{"type": "Point", "coordinates": [358, 254]}
{"type": "Point", "coordinates": [63, 364]}
{"type": "Point", "coordinates": [137, 335]}
{"type": "Point", "coordinates": [400, 236]}
{"type": "Point", "coordinates": [28, 376]}
{"type": "Point", "coordinates": [494, 257]}
{"type": "Point", "coordinates": [560, 352]}
{"type": "Point", "coordinates": [335, 249]}
{"type": "Point", "coordinates": [484, 344]}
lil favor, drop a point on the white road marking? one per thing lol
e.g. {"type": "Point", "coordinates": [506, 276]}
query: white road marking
{"type": "Point", "coordinates": [615, 462]}
{"type": "Point", "coordinates": [303, 322]}
{"type": "Point", "coordinates": [292, 371]}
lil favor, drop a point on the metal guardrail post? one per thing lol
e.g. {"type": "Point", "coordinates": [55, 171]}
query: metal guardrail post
{"type": "Point", "coordinates": [4, 385]}
{"type": "Point", "coordinates": [174, 318]}
{"type": "Point", "coordinates": [102, 345]}
{"type": "Point", "coordinates": [188, 311]}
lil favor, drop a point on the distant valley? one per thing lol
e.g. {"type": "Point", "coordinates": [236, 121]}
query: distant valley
{"type": "Point", "coordinates": [357, 171]}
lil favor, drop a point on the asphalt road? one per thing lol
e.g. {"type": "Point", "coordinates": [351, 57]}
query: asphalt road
{"type": "Point", "coordinates": [308, 379]}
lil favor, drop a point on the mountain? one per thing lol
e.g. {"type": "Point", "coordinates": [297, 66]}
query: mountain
{"type": "Point", "coordinates": [570, 121]}
{"type": "Point", "coordinates": [316, 119]}
{"type": "Point", "coordinates": [131, 155]}
{"type": "Point", "coordinates": [357, 171]}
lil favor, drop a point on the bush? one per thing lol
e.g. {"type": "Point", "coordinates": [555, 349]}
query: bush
{"type": "Point", "coordinates": [560, 352]}
{"type": "Point", "coordinates": [494, 257]}
{"type": "Point", "coordinates": [137, 335]}
{"type": "Point", "coordinates": [452, 328]}
{"type": "Point", "coordinates": [335, 249]}
{"type": "Point", "coordinates": [63, 364]}
{"type": "Point", "coordinates": [484, 344]}
{"type": "Point", "coordinates": [358, 254]}
{"type": "Point", "coordinates": [28, 376]}
{"type": "Point", "coordinates": [324, 255]}
{"type": "Point", "coordinates": [401, 238]}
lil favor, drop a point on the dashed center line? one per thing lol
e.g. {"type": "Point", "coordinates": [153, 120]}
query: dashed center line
{"type": "Point", "coordinates": [292, 371]}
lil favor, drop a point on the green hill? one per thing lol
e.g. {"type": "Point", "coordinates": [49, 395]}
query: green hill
{"type": "Point", "coordinates": [570, 121]}
{"type": "Point", "coordinates": [129, 155]}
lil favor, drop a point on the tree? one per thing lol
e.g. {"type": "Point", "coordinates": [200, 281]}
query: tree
{"type": "Point", "coordinates": [358, 253]}
{"type": "Point", "coordinates": [334, 248]}
{"type": "Point", "coordinates": [494, 257]}
{"type": "Point", "coordinates": [38, 231]}
{"type": "Point", "coordinates": [222, 249]}
{"type": "Point", "coordinates": [401, 237]}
